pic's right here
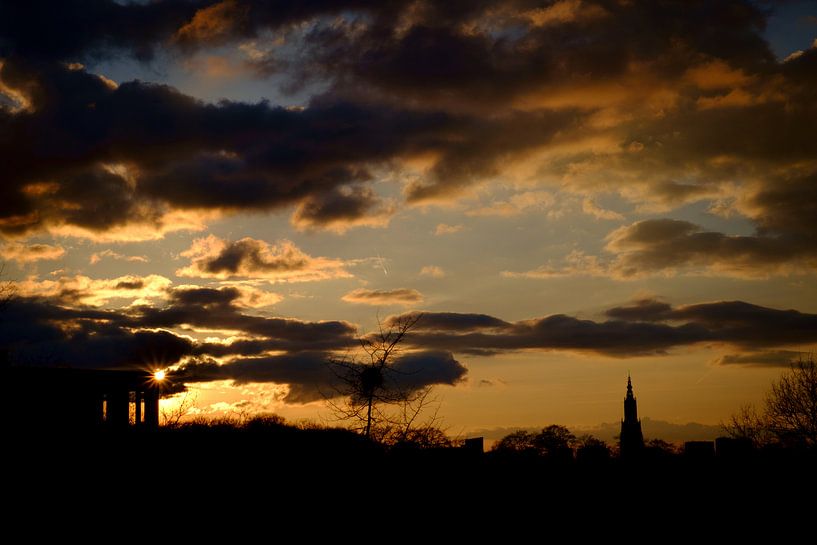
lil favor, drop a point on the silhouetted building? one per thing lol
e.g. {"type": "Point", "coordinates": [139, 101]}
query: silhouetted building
{"type": "Point", "coordinates": [62, 398]}
{"type": "Point", "coordinates": [699, 450]}
{"type": "Point", "coordinates": [632, 440]}
{"type": "Point", "coordinates": [733, 447]}
{"type": "Point", "coordinates": [474, 444]}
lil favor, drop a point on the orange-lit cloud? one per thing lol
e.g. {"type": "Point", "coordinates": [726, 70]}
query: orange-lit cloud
{"type": "Point", "coordinates": [96, 257]}
{"type": "Point", "coordinates": [342, 209]}
{"type": "Point", "coordinates": [399, 296]}
{"type": "Point", "coordinates": [670, 247]}
{"type": "Point", "coordinates": [80, 289]}
{"type": "Point", "coordinates": [23, 253]}
{"type": "Point", "coordinates": [213, 24]}
{"type": "Point", "coordinates": [518, 203]}
{"type": "Point", "coordinates": [445, 229]}
{"type": "Point", "coordinates": [212, 257]}
{"type": "Point", "coordinates": [433, 271]}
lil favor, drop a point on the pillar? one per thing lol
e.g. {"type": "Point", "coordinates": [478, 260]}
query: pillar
{"type": "Point", "coordinates": [137, 398]}
{"type": "Point", "coordinates": [152, 408]}
{"type": "Point", "coordinates": [118, 405]}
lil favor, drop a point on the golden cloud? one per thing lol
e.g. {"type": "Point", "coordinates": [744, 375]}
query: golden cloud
{"type": "Point", "coordinates": [83, 290]}
{"type": "Point", "coordinates": [23, 253]}
{"type": "Point", "coordinates": [399, 296]}
{"type": "Point", "coordinates": [212, 257]}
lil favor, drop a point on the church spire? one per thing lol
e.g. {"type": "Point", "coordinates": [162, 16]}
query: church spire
{"type": "Point", "coordinates": [632, 440]}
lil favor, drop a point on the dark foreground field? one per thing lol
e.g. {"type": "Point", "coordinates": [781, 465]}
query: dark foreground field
{"type": "Point", "coordinates": [334, 474]}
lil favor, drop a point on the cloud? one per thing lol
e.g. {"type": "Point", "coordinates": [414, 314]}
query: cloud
{"type": "Point", "coordinates": [96, 257]}
{"type": "Point", "coordinates": [590, 207]}
{"type": "Point", "coordinates": [212, 257]}
{"type": "Point", "coordinates": [38, 333]}
{"type": "Point", "coordinates": [399, 296]}
{"type": "Point", "coordinates": [221, 340]}
{"type": "Point", "coordinates": [256, 348]}
{"type": "Point", "coordinates": [450, 321]}
{"type": "Point", "coordinates": [519, 203]}
{"type": "Point", "coordinates": [251, 296]}
{"type": "Point", "coordinates": [576, 263]}
{"type": "Point", "coordinates": [83, 290]}
{"type": "Point", "coordinates": [22, 253]}
{"type": "Point", "coordinates": [311, 378]}
{"type": "Point", "coordinates": [669, 247]}
{"type": "Point", "coordinates": [115, 174]}
{"type": "Point", "coordinates": [445, 229]}
{"type": "Point", "coordinates": [766, 358]}
{"type": "Point", "coordinates": [660, 107]}
{"type": "Point", "coordinates": [433, 271]}
{"type": "Point", "coordinates": [343, 208]}
{"type": "Point", "coordinates": [74, 29]}
{"type": "Point", "coordinates": [646, 327]}
{"type": "Point", "coordinates": [220, 310]}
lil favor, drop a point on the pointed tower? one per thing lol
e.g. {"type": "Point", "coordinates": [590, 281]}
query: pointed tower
{"type": "Point", "coordinates": [632, 441]}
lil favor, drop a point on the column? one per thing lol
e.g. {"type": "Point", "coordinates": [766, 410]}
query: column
{"type": "Point", "coordinates": [152, 408]}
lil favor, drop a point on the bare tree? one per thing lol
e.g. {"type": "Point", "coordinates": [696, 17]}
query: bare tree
{"type": "Point", "coordinates": [749, 424]}
{"type": "Point", "coordinates": [173, 416]}
{"type": "Point", "coordinates": [373, 394]}
{"type": "Point", "coordinates": [7, 291]}
{"type": "Point", "coordinates": [7, 288]}
{"type": "Point", "coordinates": [789, 415]}
{"type": "Point", "coordinates": [791, 406]}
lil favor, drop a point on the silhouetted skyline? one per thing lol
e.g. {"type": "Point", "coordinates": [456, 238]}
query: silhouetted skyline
{"type": "Point", "coordinates": [237, 191]}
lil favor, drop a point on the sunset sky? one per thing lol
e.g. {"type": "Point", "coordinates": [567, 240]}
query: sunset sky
{"type": "Point", "coordinates": [566, 190]}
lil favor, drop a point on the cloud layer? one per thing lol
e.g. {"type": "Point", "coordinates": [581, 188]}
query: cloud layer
{"type": "Point", "coordinates": [659, 103]}
{"type": "Point", "coordinates": [644, 328]}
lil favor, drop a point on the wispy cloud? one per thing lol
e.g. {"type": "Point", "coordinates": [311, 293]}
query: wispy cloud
{"type": "Point", "coordinates": [22, 253]}
{"type": "Point", "coordinates": [399, 296]}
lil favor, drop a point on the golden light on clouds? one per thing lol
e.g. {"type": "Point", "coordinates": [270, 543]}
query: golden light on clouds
{"type": "Point", "coordinates": [212, 257]}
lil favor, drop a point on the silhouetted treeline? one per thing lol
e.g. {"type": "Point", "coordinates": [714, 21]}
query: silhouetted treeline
{"type": "Point", "coordinates": [267, 466]}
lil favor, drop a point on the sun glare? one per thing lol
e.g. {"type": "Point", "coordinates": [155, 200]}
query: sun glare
{"type": "Point", "coordinates": [159, 375]}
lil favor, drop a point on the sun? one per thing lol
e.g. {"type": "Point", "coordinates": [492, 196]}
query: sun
{"type": "Point", "coordinates": [159, 375]}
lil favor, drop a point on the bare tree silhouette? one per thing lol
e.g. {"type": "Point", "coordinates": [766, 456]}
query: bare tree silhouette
{"type": "Point", "coordinates": [789, 415]}
{"type": "Point", "coordinates": [7, 289]}
{"type": "Point", "coordinates": [791, 406]}
{"type": "Point", "coordinates": [373, 395]}
{"type": "Point", "coordinates": [172, 416]}
{"type": "Point", "coordinates": [7, 292]}
{"type": "Point", "coordinates": [749, 424]}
